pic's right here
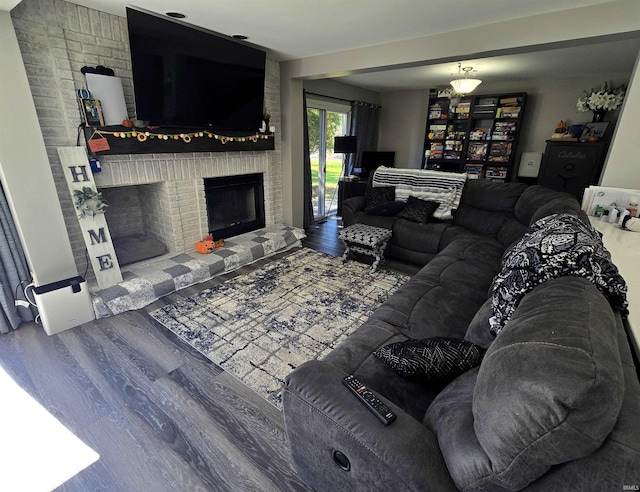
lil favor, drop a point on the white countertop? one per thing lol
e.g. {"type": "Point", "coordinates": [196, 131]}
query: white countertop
{"type": "Point", "coordinates": [624, 247]}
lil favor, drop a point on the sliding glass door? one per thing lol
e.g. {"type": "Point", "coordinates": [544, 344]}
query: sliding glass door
{"type": "Point", "coordinates": [326, 121]}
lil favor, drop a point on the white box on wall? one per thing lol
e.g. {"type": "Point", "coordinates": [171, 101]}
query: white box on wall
{"type": "Point", "coordinates": [530, 164]}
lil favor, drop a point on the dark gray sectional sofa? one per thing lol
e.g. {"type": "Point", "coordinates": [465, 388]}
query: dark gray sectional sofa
{"type": "Point", "coordinates": [554, 405]}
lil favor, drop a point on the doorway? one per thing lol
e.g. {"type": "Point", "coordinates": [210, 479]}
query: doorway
{"type": "Point", "coordinates": [326, 121]}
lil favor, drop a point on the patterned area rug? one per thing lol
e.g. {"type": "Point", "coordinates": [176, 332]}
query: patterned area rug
{"type": "Point", "coordinates": [262, 325]}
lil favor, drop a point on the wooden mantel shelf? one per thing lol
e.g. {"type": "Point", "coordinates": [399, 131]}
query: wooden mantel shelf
{"type": "Point", "coordinates": [123, 140]}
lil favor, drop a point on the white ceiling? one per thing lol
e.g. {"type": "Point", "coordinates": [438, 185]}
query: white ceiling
{"type": "Point", "coordinates": [291, 29]}
{"type": "Point", "coordinates": [302, 28]}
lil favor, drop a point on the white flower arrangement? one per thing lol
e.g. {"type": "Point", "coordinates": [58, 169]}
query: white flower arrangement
{"type": "Point", "coordinates": [605, 98]}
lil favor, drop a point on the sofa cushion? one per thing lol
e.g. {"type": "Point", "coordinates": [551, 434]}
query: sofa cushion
{"type": "Point", "coordinates": [436, 360]}
{"type": "Point", "coordinates": [442, 298]}
{"type": "Point", "coordinates": [386, 209]}
{"type": "Point", "coordinates": [417, 210]}
{"type": "Point", "coordinates": [550, 387]}
{"type": "Point", "coordinates": [535, 203]}
{"type": "Point", "coordinates": [486, 205]}
{"type": "Point", "coordinates": [450, 417]}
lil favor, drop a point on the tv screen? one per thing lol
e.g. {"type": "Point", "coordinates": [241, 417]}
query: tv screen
{"type": "Point", "coordinates": [185, 76]}
{"type": "Point", "coordinates": [372, 160]}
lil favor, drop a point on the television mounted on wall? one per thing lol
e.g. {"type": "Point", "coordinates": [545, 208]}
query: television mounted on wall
{"type": "Point", "coordinates": [185, 76]}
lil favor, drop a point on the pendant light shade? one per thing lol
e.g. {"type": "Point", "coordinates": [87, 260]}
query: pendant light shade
{"type": "Point", "coordinates": [464, 85]}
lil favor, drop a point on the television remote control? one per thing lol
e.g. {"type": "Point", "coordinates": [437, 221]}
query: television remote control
{"type": "Point", "coordinates": [366, 396]}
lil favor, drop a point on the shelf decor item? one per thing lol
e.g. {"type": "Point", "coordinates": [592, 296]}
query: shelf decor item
{"type": "Point", "coordinates": [606, 99]}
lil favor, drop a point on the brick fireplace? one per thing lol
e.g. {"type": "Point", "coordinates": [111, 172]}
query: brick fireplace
{"type": "Point", "coordinates": [163, 196]}
{"type": "Point", "coordinates": [56, 42]}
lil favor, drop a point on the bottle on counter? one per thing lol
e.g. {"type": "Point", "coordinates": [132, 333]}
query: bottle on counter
{"type": "Point", "coordinates": [633, 206]}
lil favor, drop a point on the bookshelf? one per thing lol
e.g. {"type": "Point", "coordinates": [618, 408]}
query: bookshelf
{"type": "Point", "coordinates": [478, 136]}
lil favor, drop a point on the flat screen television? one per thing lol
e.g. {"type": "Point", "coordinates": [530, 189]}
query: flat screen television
{"type": "Point", "coordinates": [184, 76]}
{"type": "Point", "coordinates": [370, 161]}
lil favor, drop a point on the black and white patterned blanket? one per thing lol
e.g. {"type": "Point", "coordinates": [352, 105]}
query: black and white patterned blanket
{"type": "Point", "coordinates": [555, 246]}
{"type": "Point", "coordinates": [437, 186]}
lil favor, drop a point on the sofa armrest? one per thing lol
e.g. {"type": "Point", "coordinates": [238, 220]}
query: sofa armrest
{"type": "Point", "coordinates": [354, 204]}
{"type": "Point", "coordinates": [322, 417]}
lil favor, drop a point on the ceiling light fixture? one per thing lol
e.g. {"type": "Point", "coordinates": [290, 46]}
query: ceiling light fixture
{"type": "Point", "coordinates": [176, 15]}
{"type": "Point", "coordinates": [241, 37]}
{"type": "Point", "coordinates": [464, 85]}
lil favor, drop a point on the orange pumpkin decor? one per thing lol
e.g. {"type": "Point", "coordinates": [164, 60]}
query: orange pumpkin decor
{"type": "Point", "coordinates": [205, 247]}
{"type": "Point", "coordinates": [208, 245]}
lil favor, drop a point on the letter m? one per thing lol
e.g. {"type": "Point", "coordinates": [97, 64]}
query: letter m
{"type": "Point", "coordinates": [97, 238]}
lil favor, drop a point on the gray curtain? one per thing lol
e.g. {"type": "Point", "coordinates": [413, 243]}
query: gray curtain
{"type": "Point", "coordinates": [308, 218]}
{"type": "Point", "coordinates": [364, 125]}
{"type": "Point", "coordinates": [14, 273]}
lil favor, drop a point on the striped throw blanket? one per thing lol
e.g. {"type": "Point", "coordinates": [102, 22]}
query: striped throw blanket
{"type": "Point", "coordinates": [436, 186]}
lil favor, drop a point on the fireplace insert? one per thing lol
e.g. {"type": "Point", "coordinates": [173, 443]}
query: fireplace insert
{"type": "Point", "coordinates": [235, 204]}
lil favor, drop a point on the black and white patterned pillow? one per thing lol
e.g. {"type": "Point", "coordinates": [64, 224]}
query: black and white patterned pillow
{"type": "Point", "coordinates": [377, 195]}
{"type": "Point", "coordinates": [418, 210]}
{"type": "Point", "coordinates": [436, 360]}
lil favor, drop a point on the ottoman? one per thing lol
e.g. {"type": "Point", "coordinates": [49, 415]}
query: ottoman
{"type": "Point", "coordinates": [365, 239]}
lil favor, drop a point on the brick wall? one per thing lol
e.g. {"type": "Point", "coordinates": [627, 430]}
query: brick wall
{"type": "Point", "coordinates": [57, 39]}
{"type": "Point", "coordinates": [124, 214]}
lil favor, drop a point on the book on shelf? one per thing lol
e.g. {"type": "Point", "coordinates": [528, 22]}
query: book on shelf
{"type": "Point", "coordinates": [500, 151]}
{"type": "Point", "coordinates": [487, 101]}
{"type": "Point", "coordinates": [474, 171]}
{"type": "Point", "coordinates": [437, 132]}
{"type": "Point", "coordinates": [505, 126]}
{"type": "Point", "coordinates": [508, 112]}
{"type": "Point", "coordinates": [463, 107]}
{"type": "Point", "coordinates": [451, 155]}
{"type": "Point", "coordinates": [435, 113]}
{"type": "Point", "coordinates": [495, 172]}
{"type": "Point", "coordinates": [479, 134]}
{"type": "Point", "coordinates": [509, 100]}
{"type": "Point", "coordinates": [477, 151]}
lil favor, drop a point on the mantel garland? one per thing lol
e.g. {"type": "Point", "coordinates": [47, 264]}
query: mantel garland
{"type": "Point", "coordinates": [142, 136]}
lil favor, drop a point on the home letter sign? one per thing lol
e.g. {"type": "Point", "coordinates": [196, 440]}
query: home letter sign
{"type": "Point", "coordinates": [95, 232]}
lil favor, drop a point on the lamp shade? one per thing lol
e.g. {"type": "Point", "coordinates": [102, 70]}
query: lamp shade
{"type": "Point", "coordinates": [344, 145]}
{"type": "Point", "coordinates": [464, 86]}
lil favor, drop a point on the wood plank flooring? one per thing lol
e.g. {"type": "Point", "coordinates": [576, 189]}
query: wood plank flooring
{"type": "Point", "coordinates": [161, 416]}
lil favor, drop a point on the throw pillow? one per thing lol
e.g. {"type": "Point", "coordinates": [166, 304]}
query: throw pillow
{"type": "Point", "coordinates": [376, 195]}
{"type": "Point", "coordinates": [436, 360]}
{"type": "Point", "coordinates": [418, 210]}
{"type": "Point", "coordinates": [386, 209]}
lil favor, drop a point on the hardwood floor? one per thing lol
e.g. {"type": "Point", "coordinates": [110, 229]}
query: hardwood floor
{"type": "Point", "coordinates": [161, 416]}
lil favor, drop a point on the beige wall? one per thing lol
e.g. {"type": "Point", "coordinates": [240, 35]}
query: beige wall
{"type": "Point", "coordinates": [402, 122]}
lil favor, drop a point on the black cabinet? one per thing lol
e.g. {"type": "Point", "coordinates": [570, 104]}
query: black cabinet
{"type": "Point", "coordinates": [348, 188]}
{"type": "Point", "coordinates": [571, 166]}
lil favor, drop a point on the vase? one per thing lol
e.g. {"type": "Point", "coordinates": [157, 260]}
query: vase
{"type": "Point", "coordinates": [598, 115]}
